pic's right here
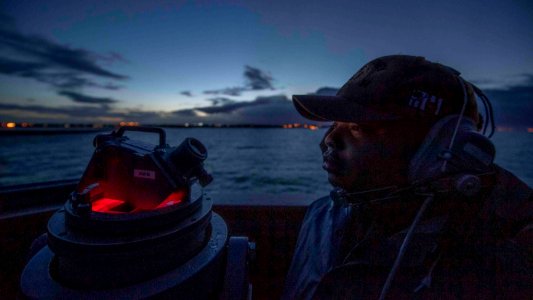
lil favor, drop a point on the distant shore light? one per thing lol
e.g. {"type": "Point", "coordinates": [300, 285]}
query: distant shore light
{"type": "Point", "coordinates": [11, 125]}
{"type": "Point", "coordinates": [504, 129]}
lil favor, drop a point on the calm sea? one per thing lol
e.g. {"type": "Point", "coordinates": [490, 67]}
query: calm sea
{"type": "Point", "coordinates": [262, 161]}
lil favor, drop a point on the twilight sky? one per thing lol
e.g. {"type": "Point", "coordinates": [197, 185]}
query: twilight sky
{"type": "Point", "coordinates": [171, 62]}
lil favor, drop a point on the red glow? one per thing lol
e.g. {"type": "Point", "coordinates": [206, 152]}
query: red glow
{"type": "Point", "coordinates": [172, 199]}
{"type": "Point", "coordinates": [114, 206]}
{"type": "Point", "coordinates": [106, 205]}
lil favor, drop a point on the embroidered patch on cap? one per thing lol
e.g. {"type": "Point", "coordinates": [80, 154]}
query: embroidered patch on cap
{"type": "Point", "coordinates": [425, 102]}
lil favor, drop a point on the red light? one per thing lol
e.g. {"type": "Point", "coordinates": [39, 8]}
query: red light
{"type": "Point", "coordinates": [107, 205]}
{"type": "Point", "coordinates": [114, 206]}
{"type": "Point", "coordinates": [172, 199]}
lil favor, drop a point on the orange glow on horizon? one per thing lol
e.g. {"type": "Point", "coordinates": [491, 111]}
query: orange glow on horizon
{"type": "Point", "coordinates": [530, 129]}
{"type": "Point", "coordinates": [11, 125]}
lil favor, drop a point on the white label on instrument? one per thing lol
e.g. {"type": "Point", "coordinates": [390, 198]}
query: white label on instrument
{"type": "Point", "coordinates": [147, 174]}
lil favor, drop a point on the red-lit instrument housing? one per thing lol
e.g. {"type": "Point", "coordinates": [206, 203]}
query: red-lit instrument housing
{"type": "Point", "coordinates": [130, 184]}
{"type": "Point", "coordinates": [137, 226]}
{"type": "Point", "coordinates": [128, 176]}
{"type": "Point", "coordinates": [136, 205]}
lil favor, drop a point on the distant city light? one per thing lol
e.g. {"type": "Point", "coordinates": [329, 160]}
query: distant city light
{"type": "Point", "coordinates": [76, 126]}
{"type": "Point", "coordinates": [129, 123]}
{"type": "Point", "coordinates": [297, 125]}
{"type": "Point", "coordinates": [504, 129]}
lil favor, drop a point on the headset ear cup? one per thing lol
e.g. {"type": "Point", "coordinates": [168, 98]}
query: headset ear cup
{"type": "Point", "coordinates": [472, 153]}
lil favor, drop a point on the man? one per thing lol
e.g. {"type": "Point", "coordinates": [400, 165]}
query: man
{"type": "Point", "coordinates": [419, 209]}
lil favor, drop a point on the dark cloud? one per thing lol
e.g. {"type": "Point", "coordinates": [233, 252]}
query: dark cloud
{"type": "Point", "coordinates": [186, 93]}
{"type": "Point", "coordinates": [51, 63]}
{"type": "Point", "coordinates": [43, 73]}
{"type": "Point", "coordinates": [12, 67]}
{"type": "Point", "coordinates": [54, 54]}
{"type": "Point", "coordinates": [185, 113]}
{"type": "Point", "coordinates": [69, 81]}
{"type": "Point", "coordinates": [227, 108]}
{"type": "Point", "coordinates": [80, 98]}
{"type": "Point", "coordinates": [81, 112]}
{"type": "Point", "coordinates": [221, 101]}
{"type": "Point", "coordinates": [112, 58]}
{"type": "Point", "coordinates": [86, 113]}
{"type": "Point", "coordinates": [255, 80]}
{"type": "Point", "coordinates": [273, 110]}
{"type": "Point", "coordinates": [111, 86]}
{"type": "Point", "coordinates": [225, 105]}
{"type": "Point", "coordinates": [231, 91]}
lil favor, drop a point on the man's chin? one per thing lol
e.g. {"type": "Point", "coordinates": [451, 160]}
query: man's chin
{"type": "Point", "coordinates": [346, 183]}
{"type": "Point", "coordinates": [337, 180]}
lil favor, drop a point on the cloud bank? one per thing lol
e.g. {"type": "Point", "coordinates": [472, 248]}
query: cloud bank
{"type": "Point", "coordinates": [272, 110]}
{"type": "Point", "coordinates": [56, 65]}
{"type": "Point", "coordinates": [81, 98]}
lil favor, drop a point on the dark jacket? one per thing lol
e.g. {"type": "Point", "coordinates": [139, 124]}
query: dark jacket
{"type": "Point", "coordinates": [463, 248]}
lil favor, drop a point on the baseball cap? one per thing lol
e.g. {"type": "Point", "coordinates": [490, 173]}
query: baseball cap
{"type": "Point", "coordinates": [392, 88]}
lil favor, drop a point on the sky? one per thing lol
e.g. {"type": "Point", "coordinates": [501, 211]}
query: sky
{"type": "Point", "coordinates": [233, 62]}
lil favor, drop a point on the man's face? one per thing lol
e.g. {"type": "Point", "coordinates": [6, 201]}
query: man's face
{"type": "Point", "coordinates": [369, 155]}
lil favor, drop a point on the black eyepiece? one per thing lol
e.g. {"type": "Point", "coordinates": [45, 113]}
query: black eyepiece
{"type": "Point", "coordinates": [188, 160]}
{"type": "Point", "coordinates": [189, 153]}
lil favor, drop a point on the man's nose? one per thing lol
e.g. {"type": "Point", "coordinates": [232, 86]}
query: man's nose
{"type": "Point", "coordinates": [330, 140]}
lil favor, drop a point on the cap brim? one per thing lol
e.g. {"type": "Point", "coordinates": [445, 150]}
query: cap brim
{"type": "Point", "coordinates": [336, 108]}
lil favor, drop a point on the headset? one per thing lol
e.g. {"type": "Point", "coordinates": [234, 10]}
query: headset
{"type": "Point", "coordinates": [453, 146]}
{"type": "Point", "coordinates": [454, 157]}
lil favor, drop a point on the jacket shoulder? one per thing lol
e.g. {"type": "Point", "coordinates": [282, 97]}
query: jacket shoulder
{"type": "Point", "coordinates": [507, 215]}
{"type": "Point", "coordinates": [510, 199]}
